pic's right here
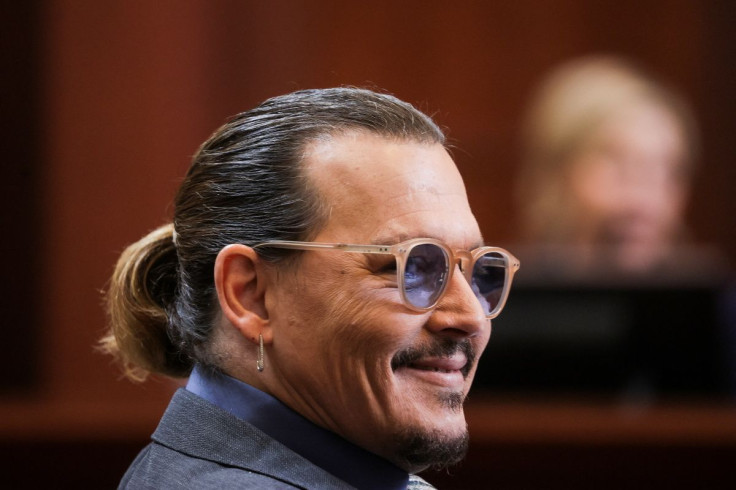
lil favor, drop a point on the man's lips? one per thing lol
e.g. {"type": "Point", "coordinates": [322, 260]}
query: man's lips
{"type": "Point", "coordinates": [445, 372]}
{"type": "Point", "coordinates": [441, 364]}
{"type": "Point", "coordinates": [446, 356]}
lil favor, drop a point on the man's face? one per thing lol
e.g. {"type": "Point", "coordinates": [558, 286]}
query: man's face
{"type": "Point", "coordinates": [346, 352]}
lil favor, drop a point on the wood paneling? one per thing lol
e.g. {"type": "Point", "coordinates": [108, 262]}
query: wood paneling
{"type": "Point", "coordinates": [119, 94]}
{"type": "Point", "coordinates": [20, 140]}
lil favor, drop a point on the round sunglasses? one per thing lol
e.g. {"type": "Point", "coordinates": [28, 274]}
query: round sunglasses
{"type": "Point", "coordinates": [424, 269]}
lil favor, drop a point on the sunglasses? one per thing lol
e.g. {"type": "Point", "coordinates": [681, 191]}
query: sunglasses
{"type": "Point", "coordinates": [424, 268]}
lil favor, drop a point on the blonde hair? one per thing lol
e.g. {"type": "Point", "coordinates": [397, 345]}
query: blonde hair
{"type": "Point", "coordinates": [136, 300]}
{"type": "Point", "coordinates": [571, 102]}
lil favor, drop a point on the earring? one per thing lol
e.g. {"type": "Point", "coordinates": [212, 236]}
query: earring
{"type": "Point", "coordinates": [259, 360]}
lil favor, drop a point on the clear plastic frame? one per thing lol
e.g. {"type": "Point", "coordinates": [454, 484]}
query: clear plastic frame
{"type": "Point", "coordinates": [424, 268]}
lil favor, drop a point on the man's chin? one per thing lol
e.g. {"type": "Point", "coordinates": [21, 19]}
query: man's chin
{"type": "Point", "coordinates": [418, 450]}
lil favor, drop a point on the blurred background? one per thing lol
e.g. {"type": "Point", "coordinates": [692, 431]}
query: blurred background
{"type": "Point", "coordinates": [593, 378]}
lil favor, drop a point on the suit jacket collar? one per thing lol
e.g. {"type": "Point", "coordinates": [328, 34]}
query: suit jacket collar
{"type": "Point", "coordinates": [325, 449]}
{"type": "Point", "coordinates": [195, 427]}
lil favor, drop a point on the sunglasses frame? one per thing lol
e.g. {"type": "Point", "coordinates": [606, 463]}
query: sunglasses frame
{"type": "Point", "coordinates": [465, 259]}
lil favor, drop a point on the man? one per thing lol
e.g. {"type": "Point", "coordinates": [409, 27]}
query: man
{"type": "Point", "coordinates": [335, 366]}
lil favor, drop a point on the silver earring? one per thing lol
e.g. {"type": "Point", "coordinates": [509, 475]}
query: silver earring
{"type": "Point", "coordinates": [259, 361]}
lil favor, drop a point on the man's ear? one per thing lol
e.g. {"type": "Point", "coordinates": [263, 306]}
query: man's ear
{"type": "Point", "coordinates": [240, 291]}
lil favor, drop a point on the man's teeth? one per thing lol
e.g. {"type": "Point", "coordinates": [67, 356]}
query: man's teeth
{"type": "Point", "coordinates": [428, 368]}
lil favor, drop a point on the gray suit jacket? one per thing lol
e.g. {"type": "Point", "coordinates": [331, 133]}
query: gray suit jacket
{"type": "Point", "coordinates": [200, 446]}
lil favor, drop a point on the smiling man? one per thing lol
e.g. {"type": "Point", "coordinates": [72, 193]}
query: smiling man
{"type": "Point", "coordinates": [325, 287]}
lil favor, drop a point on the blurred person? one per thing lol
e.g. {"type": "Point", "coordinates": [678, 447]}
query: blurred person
{"type": "Point", "coordinates": [608, 154]}
{"type": "Point", "coordinates": [311, 363]}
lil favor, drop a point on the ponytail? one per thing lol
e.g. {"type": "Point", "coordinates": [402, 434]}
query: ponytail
{"type": "Point", "coordinates": [140, 294]}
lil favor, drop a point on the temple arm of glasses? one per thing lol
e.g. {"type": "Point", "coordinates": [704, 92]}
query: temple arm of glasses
{"type": "Point", "coordinates": [344, 247]}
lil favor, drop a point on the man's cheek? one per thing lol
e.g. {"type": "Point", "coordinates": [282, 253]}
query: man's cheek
{"type": "Point", "coordinates": [362, 330]}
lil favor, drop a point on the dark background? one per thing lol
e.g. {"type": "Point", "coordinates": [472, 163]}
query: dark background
{"type": "Point", "coordinates": [103, 103]}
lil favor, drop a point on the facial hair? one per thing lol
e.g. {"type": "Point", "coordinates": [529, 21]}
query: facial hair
{"type": "Point", "coordinates": [420, 449]}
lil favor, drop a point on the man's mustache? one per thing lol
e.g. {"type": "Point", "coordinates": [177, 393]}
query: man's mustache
{"type": "Point", "coordinates": [441, 348]}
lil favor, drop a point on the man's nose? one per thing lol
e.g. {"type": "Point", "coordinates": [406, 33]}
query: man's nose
{"type": "Point", "coordinates": [459, 312]}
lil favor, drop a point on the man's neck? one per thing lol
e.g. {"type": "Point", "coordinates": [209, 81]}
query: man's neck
{"type": "Point", "coordinates": [325, 449]}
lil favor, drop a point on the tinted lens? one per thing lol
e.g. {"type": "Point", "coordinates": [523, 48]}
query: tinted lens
{"type": "Point", "coordinates": [425, 274]}
{"type": "Point", "coordinates": [489, 278]}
